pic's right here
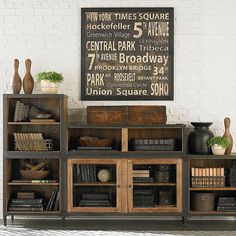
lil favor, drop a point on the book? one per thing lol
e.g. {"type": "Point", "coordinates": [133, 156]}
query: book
{"type": "Point", "coordinates": [95, 196]}
{"type": "Point", "coordinates": [226, 208]}
{"type": "Point", "coordinates": [83, 171]}
{"type": "Point", "coordinates": [51, 206]}
{"type": "Point", "coordinates": [227, 200]}
{"type": "Point", "coordinates": [56, 205]}
{"type": "Point", "coordinates": [42, 120]}
{"type": "Point", "coordinates": [141, 175]}
{"type": "Point", "coordinates": [25, 209]}
{"type": "Point", "coordinates": [35, 181]}
{"type": "Point", "coordinates": [143, 179]}
{"type": "Point", "coordinates": [25, 205]}
{"type": "Point", "coordinates": [227, 204]}
{"type": "Point", "coordinates": [94, 173]}
{"type": "Point", "coordinates": [78, 172]}
{"type": "Point", "coordinates": [75, 173]}
{"type": "Point", "coordinates": [50, 202]}
{"type": "Point", "coordinates": [141, 171]}
{"type": "Point", "coordinates": [88, 172]}
{"type": "Point", "coordinates": [96, 203]}
{"type": "Point", "coordinates": [27, 201]}
{"type": "Point", "coordinates": [25, 195]}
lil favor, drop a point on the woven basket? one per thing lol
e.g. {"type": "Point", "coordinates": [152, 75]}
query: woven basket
{"type": "Point", "coordinates": [34, 174]}
{"type": "Point", "coordinates": [95, 142]}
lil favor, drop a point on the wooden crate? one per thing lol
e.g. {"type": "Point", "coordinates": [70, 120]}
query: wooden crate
{"type": "Point", "coordinates": [146, 115]}
{"type": "Point", "coordinates": [128, 115]}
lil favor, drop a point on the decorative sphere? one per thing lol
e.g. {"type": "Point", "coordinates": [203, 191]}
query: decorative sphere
{"type": "Point", "coordinates": [104, 175]}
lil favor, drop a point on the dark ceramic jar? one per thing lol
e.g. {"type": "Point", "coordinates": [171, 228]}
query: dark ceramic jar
{"type": "Point", "coordinates": [197, 140]}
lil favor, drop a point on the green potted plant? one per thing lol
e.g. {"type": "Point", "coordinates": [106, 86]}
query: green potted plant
{"type": "Point", "coordinates": [49, 81]}
{"type": "Point", "coordinates": [218, 145]}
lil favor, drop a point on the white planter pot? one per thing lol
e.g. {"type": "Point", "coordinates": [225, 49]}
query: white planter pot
{"type": "Point", "coordinates": [218, 150]}
{"type": "Point", "coordinates": [49, 87]}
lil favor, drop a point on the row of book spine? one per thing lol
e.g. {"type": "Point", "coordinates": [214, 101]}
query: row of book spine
{"type": "Point", "coordinates": [53, 203]}
{"type": "Point", "coordinates": [215, 171]}
{"type": "Point", "coordinates": [208, 177]}
{"type": "Point", "coordinates": [84, 173]}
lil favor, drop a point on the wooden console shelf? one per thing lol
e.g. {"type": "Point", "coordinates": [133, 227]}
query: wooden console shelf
{"type": "Point", "coordinates": [143, 171]}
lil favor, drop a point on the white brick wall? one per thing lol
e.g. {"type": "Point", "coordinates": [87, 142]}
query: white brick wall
{"type": "Point", "coordinates": [48, 32]}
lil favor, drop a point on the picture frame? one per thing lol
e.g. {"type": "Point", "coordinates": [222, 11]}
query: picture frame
{"type": "Point", "coordinates": [127, 54]}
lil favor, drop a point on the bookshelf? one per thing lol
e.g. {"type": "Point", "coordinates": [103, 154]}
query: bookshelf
{"type": "Point", "coordinates": [29, 186]}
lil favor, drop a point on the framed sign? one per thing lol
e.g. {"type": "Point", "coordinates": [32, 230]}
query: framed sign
{"type": "Point", "coordinates": [127, 53]}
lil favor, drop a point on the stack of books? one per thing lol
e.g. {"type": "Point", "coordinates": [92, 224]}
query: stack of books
{"type": "Point", "coordinates": [95, 200]}
{"type": "Point", "coordinates": [226, 204]}
{"type": "Point", "coordinates": [143, 198]}
{"type": "Point", "coordinates": [26, 202]}
{"type": "Point", "coordinates": [142, 176]}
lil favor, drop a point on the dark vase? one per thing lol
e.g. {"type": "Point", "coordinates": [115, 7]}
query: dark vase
{"type": "Point", "coordinates": [197, 140]}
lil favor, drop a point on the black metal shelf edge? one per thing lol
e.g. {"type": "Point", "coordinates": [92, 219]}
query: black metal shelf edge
{"type": "Point", "coordinates": [23, 155]}
{"type": "Point", "coordinates": [44, 213]}
{"type": "Point", "coordinates": [76, 125]}
{"type": "Point", "coordinates": [212, 157]}
{"type": "Point", "coordinates": [130, 154]}
{"type": "Point", "coordinates": [120, 215]}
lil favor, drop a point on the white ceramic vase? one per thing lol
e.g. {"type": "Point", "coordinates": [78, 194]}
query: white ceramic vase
{"type": "Point", "coordinates": [218, 150]}
{"type": "Point", "coordinates": [49, 87]}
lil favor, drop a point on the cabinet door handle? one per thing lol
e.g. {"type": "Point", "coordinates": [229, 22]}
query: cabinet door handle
{"type": "Point", "coordinates": [118, 186]}
{"type": "Point", "coordinates": [130, 186]}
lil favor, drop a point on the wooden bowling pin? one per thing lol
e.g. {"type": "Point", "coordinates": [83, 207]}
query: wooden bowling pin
{"type": "Point", "coordinates": [228, 136]}
{"type": "Point", "coordinates": [28, 81]}
{"type": "Point", "coordinates": [16, 83]}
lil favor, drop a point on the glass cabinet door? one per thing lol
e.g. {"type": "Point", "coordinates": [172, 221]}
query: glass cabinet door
{"type": "Point", "coordinates": [155, 185]}
{"type": "Point", "coordinates": [94, 185]}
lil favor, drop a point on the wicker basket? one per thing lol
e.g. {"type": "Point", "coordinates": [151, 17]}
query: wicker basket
{"type": "Point", "coordinates": [34, 174]}
{"type": "Point", "coordinates": [95, 142]}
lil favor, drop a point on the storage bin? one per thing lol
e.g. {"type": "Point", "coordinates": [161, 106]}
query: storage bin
{"type": "Point", "coordinates": [203, 202]}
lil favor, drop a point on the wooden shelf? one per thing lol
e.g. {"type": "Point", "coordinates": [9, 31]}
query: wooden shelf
{"type": "Point", "coordinates": [27, 184]}
{"type": "Point", "coordinates": [33, 123]}
{"type": "Point", "coordinates": [95, 184]}
{"type": "Point", "coordinates": [214, 189]}
{"type": "Point", "coordinates": [165, 206]}
{"type": "Point", "coordinates": [154, 184]}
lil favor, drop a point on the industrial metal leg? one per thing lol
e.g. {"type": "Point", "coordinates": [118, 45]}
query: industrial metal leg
{"type": "Point", "coordinates": [5, 220]}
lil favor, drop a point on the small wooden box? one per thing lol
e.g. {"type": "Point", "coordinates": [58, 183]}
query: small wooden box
{"type": "Point", "coordinates": [126, 115]}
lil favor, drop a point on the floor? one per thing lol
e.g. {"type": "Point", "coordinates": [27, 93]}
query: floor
{"type": "Point", "coordinates": [103, 227]}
